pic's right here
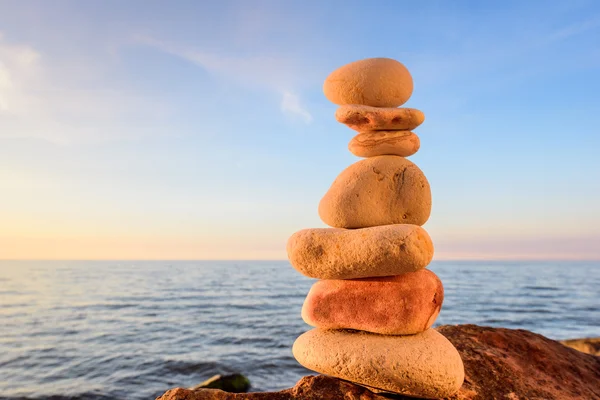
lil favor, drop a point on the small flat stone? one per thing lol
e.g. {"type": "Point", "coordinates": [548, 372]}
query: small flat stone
{"type": "Point", "coordinates": [422, 365]}
{"type": "Point", "coordinates": [381, 143]}
{"type": "Point", "coordinates": [393, 305]}
{"type": "Point", "coordinates": [365, 118]}
{"type": "Point", "coordinates": [377, 82]}
{"type": "Point", "coordinates": [380, 190]}
{"type": "Point", "coordinates": [330, 253]}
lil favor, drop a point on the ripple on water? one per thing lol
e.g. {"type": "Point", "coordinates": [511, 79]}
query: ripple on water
{"type": "Point", "coordinates": [153, 325]}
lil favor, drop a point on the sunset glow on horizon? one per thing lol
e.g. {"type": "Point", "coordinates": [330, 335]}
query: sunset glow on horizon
{"type": "Point", "coordinates": [137, 130]}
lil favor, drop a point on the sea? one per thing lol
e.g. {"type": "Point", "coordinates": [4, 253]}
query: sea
{"type": "Point", "coordinates": [133, 329]}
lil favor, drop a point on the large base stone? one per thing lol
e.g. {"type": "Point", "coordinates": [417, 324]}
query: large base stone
{"type": "Point", "coordinates": [424, 365]}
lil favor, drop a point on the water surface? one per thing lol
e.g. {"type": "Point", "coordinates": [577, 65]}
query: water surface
{"type": "Point", "coordinates": [131, 330]}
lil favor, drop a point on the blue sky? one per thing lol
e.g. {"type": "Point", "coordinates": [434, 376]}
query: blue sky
{"type": "Point", "coordinates": [186, 129]}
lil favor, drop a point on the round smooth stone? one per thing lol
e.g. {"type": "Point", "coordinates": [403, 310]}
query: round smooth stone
{"type": "Point", "coordinates": [380, 143]}
{"type": "Point", "coordinates": [422, 365]}
{"type": "Point", "coordinates": [377, 82]}
{"type": "Point", "coordinates": [394, 305]}
{"type": "Point", "coordinates": [330, 253]}
{"type": "Point", "coordinates": [380, 190]}
{"type": "Point", "coordinates": [366, 118]}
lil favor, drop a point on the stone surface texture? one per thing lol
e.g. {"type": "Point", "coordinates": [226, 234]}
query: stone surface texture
{"type": "Point", "coordinates": [395, 305]}
{"type": "Point", "coordinates": [521, 365]}
{"type": "Point", "coordinates": [377, 82]}
{"type": "Point", "coordinates": [422, 365]}
{"type": "Point", "coordinates": [376, 191]}
{"type": "Point", "coordinates": [380, 143]}
{"type": "Point", "coordinates": [333, 253]}
{"type": "Point", "coordinates": [367, 118]}
{"type": "Point", "coordinates": [499, 364]}
{"type": "Point", "coordinates": [308, 388]}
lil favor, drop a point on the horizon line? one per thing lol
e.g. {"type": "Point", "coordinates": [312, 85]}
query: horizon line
{"type": "Point", "coordinates": [483, 259]}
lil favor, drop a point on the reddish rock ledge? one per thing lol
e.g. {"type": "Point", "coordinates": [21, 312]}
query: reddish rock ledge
{"type": "Point", "coordinates": [499, 364]}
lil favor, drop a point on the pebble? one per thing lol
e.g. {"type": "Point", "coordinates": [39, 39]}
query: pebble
{"type": "Point", "coordinates": [376, 82]}
{"type": "Point", "coordinates": [331, 253]}
{"type": "Point", "coordinates": [365, 118]}
{"type": "Point", "coordinates": [393, 305]}
{"type": "Point", "coordinates": [422, 365]}
{"type": "Point", "coordinates": [380, 143]}
{"type": "Point", "coordinates": [380, 190]}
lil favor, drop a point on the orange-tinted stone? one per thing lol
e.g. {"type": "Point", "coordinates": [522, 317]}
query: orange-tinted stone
{"type": "Point", "coordinates": [395, 305]}
{"type": "Point", "coordinates": [366, 118]}
{"type": "Point", "coordinates": [376, 82]}
{"type": "Point", "coordinates": [380, 143]}
{"type": "Point", "coordinates": [380, 190]}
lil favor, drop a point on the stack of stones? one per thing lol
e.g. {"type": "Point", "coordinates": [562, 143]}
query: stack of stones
{"type": "Point", "coordinates": [375, 302]}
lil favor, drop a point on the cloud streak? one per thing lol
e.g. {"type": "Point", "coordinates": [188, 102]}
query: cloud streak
{"type": "Point", "coordinates": [18, 64]}
{"type": "Point", "coordinates": [39, 100]}
{"type": "Point", "coordinates": [258, 72]}
{"type": "Point", "coordinates": [290, 104]}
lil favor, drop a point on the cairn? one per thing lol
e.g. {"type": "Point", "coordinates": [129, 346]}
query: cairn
{"type": "Point", "coordinates": [375, 302]}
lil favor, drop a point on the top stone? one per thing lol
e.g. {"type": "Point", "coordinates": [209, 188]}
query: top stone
{"type": "Point", "coordinates": [375, 82]}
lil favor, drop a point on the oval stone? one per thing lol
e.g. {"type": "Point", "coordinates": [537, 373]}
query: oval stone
{"type": "Point", "coordinates": [377, 82]}
{"type": "Point", "coordinates": [329, 253]}
{"type": "Point", "coordinates": [394, 305]}
{"type": "Point", "coordinates": [422, 365]}
{"type": "Point", "coordinates": [366, 118]}
{"type": "Point", "coordinates": [380, 190]}
{"type": "Point", "coordinates": [379, 143]}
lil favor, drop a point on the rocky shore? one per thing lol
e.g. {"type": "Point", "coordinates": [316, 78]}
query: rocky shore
{"type": "Point", "coordinates": [499, 364]}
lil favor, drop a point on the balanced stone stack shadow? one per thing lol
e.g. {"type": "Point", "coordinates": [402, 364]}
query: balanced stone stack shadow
{"type": "Point", "coordinates": [375, 302]}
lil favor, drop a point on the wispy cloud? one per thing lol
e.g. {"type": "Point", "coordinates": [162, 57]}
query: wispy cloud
{"type": "Point", "coordinates": [290, 104]}
{"type": "Point", "coordinates": [19, 64]}
{"type": "Point", "coordinates": [516, 54]}
{"type": "Point", "coordinates": [575, 29]}
{"type": "Point", "coordinates": [275, 74]}
{"type": "Point", "coordinates": [40, 100]}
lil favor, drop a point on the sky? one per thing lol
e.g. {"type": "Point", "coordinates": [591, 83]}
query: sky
{"type": "Point", "coordinates": [199, 130]}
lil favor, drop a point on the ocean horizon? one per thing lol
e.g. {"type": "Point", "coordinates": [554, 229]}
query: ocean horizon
{"type": "Point", "coordinates": [127, 329]}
